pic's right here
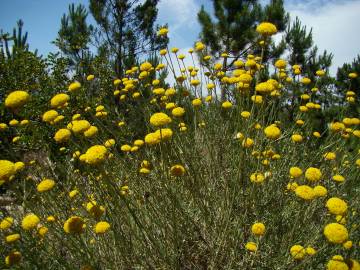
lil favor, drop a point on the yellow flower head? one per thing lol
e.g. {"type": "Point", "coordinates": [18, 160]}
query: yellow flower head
{"type": "Point", "coordinates": [16, 99]}
{"type": "Point", "coordinates": [251, 246]}
{"type": "Point", "coordinates": [336, 233]}
{"type": "Point", "coordinates": [272, 132]}
{"type": "Point", "coordinates": [62, 135]}
{"type": "Point", "coordinates": [95, 154]}
{"type": "Point", "coordinates": [336, 206]}
{"type": "Point", "coordinates": [30, 222]}
{"type": "Point", "coordinates": [74, 86]}
{"type": "Point", "coordinates": [305, 192]}
{"type": "Point", "coordinates": [177, 170]}
{"type": "Point", "coordinates": [12, 238]}
{"type": "Point", "coordinates": [74, 225]}
{"type": "Point", "coordinates": [45, 185]}
{"type": "Point", "coordinates": [313, 174]}
{"type": "Point", "coordinates": [159, 119]}
{"type": "Point", "coordinates": [266, 29]}
{"type": "Point", "coordinates": [102, 227]}
{"type": "Point", "coordinates": [258, 229]}
{"type": "Point", "coordinates": [59, 100]}
{"type": "Point", "coordinates": [295, 172]}
{"type": "Point", "coordinates": [7, 169]}
{"type": "Point", "coordinates": [298, 252]}
{"type": "Point", "coordinates": [6, 223]}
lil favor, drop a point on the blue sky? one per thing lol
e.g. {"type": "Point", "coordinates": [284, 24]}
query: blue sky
{"type": "Point", "coordinates": [334, 22]}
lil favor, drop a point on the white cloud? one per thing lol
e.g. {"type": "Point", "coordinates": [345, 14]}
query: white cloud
{"type": "Point", "coordinates": [334, 25]}
{"type": "Point", "coordinates": [181, 15]}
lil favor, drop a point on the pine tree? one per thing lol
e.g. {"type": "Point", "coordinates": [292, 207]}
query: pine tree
{"type": "Point", "coordinates": [344, 84]}
{"type": "Point", "coordinates": [127, 29]}
{"type": "Point", "coordinates": [232, 29]}
{"type": "Point", "coordinates": [74, 37]}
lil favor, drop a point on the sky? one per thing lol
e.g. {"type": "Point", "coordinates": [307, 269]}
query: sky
{"type": "Point", "coordinates": [334, 22]}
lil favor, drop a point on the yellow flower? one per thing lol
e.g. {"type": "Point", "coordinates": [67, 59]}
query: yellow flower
{"type": "Point", "coordinates": [320, 73]}
{"type": "Point", "coordinates": [317, 134]}
{"type": "Point", "coordinates": [247, 143]}
{"type": "Point", "coordinates": [295, 172]}
{"type": "Point", "coordinates": [310, 251]}
{"type": "Point", "coordinates": [6, 223]}
{"type": "Point", "coordinates": [74, 225]}
{"type": "Point", "coordinates": [152, 139]}
{"type": "Point", "coordinates": [16, 99]}
{"type": "Point", "coordinates": [177, 170]}
{"type": "Point", "coordinates": [320, 191]}
{"type": "Point", "coordinates": [62, 135]}
{"type": "Point", "coordinates": [109, 143]}
{"type": "Point", "coordinates": [257, 99]}
{"type": "Point", "coordinates": [102, 227]}
{"type": "Point", "coordinates": [90, 77]}
{"type": "Point", "coordinates": [199, 46]}
{"type": "Point", "coordinates": [329, 156]}
{"type": "Point", "coordinates": [12, 238]}
{"type": "Point", "coordinates": [79, 126]}
{"type": "Point", "coordinates": [30, 221]}
{"type": "Point", "coordinates": [13, 258]}
{"type": "Point", "coordinates": [91, 132]}
{"type": "Point", "coordinates": [296, 138]}
{"type": "Point", "coordinates": [95, 154]}
{"type": "Point", "coordinates": [74, 86]}
{"type": "Point", "coordinates": [13, 122]}
{"type": "Point", "coordinates": [59, 100]}
{"type": "Point", "coordinates": [336, 233]}
{"type": "Point", "coordinates": [125, 148]}
{"type": "Point", "coordinates": [197, 102]}
{"type": "Point", "coordinates": [305, 192]}
{"type": "Point", "coordinates": [305, 81]}
{"type": "Point", "coordinates": [49, 116]}
{"type": "Point", "coordinates": [146, 66]}
{"type": "Point", "coordinates": [272, 132]}
{"type": "Point", "coordinates": [42, 231]}
{"type": "Point", "coordinates": [257, 178]}
{"type": "Point", "coordinates": [337, 126]}
{"type": "Point", "coordinates": [264, 87]}
{"type": "Point", "coordinates": [280, 64]}
{"type": "Point", "coordinates": [338, 178]}
{"type": "Point", "coordinates": [348, 244]}
{"type": "Point", "coordinates": [7, 169]}
{"type": "Point", "coordinates": [313, 174]}
{"type": "Point", "coordinates": [45, 185]}
{"type": "Point", "coordinates": [336, 206]}
{"type": "Point", "coordinates": [164, 134]}
{"type": "Point", "coordinates": [178, 112]}
{"type": "Point", "coordinates": [266, 29]}
{"type": "Point", "coordinates": [245, 114]}
{"type": "Point", "coordinates": [159, 119]}
{"type": "Point", "coordinates": [251, 246]}
{"type": "Point", "coordinates": [258, 229]}
{"type": "Point", "coordinates": [298, 252]}
{"type": "Point", "coordinates": [73, 193]}
{"type": "Point", "coordinates": [353, 75]}
{"type": "Point", "coordinates": [337, 263]}
{"type": "Point", "coordinates": [226, 105]}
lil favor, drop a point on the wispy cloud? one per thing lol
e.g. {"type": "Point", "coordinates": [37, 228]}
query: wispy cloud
{"type": "Point", "coordinates": [335, 26]}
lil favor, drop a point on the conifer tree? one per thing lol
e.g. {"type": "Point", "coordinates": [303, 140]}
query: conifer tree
{"type": "Point", "coordinates": [232, 29]}
{"type": "Point", "coordinates": [74, 37]}
{"type": "Point", "coordinates": [345, 84]}
{"type": "Point", "coordinates": [127, 29]}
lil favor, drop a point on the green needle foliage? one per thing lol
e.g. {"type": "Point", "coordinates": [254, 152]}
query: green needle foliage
{"type": "Point", "coordinates": [127, 29]}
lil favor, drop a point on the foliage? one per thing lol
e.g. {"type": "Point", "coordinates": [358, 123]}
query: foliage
{"type": "Point", "coordinates": [127, 29]}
